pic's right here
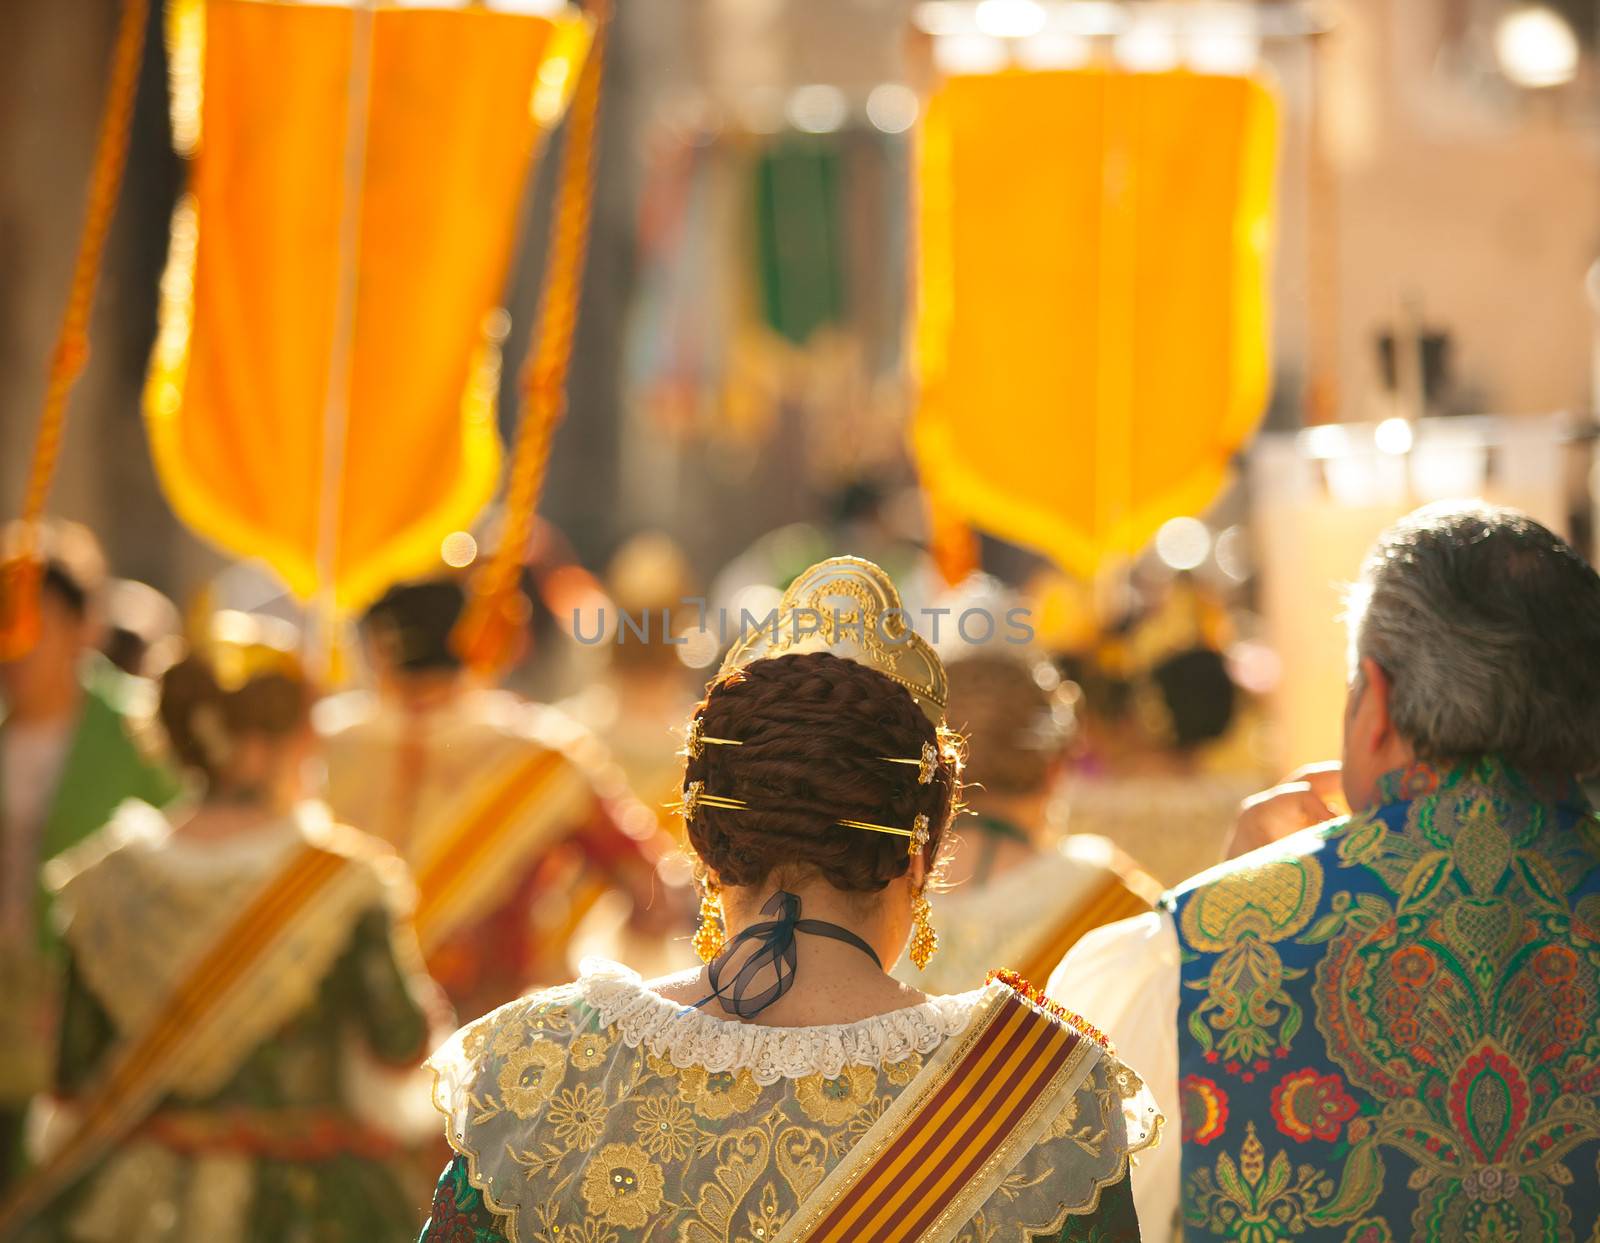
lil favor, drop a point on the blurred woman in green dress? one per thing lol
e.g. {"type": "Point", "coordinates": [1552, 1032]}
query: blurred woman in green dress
{"type": "Point", "coordinates": [234, 974]}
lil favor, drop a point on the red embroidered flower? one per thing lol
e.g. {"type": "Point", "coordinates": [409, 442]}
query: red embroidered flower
{"type": "Point", "coordinates": [1204, 1109]}
{"type": "Point", "coordinates": [1489, 1103]}
{"type": "Point", "coordinates": [449, 1223]}
{"type": "Point", "coordinates": [1307, 1105]}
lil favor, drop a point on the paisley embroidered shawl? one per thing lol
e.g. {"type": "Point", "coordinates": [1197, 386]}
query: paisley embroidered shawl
{"type": "Point", "coordinates": [602, 1111]}
{"type": "Point", "coordinates": [1389, 1026]}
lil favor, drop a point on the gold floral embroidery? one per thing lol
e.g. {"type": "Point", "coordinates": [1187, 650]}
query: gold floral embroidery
{"type": "Point", "coordinates": [475, 1040]}
{"type": "Point", "coordinates": [578, 1115]}
{"type": "Point", "coordinates": [509, 1038]}
{"type": "Point", "coordinates": [767, 1219]}
{"type": "Point", "coordinates": [665, 1128]}
{"type": "Point", "coordinates": [530, 1077]}
{"type": "Point", "coordinates": [1248, 1016]}
{"type": "Point", "coordinates": [623, 1186]}
{"type": "Point", "coordinates": [1066, 1121]}
{"type": "Point", "coordinates": [718, 1095]}
{"type": "Point", "coordinates": [904, 1071]}
{"type": "Point", "coordinates": [588, 1049]}
{"type": "Point", "coordinates": [834, 1102]}
{"type": "Point", "coordinates": [1254, 1200]}
{"type": "Point", "coordinates": [660, 1065]}
{"type": "Point", "coordinates": [634, 1144]}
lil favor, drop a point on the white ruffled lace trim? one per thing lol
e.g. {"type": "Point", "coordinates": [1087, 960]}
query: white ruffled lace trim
{"type": "Point", "coordinates": [689, 1037]}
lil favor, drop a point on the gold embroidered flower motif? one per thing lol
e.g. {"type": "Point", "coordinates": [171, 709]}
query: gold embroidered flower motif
{"type": "Point", "coordinates": [577, 1116]}
{"type": "Point", "coordinates": [720, 1095]}
{"type": "Point", "coordinates": [904, 1071]}
{"type": "Point", "coordinates": [587, 1231]}
{"type": "Point", "coordinates": [833, 1102]}
{"type": "Point", "coordinates": [530, 1077]}
{"type": "Point", "coordinates": [623, 1186]}
{"type": "Point", "coordinates": [665, 1128]}
{"type": "Point", "coordinates": [767, 1219]}
{"type": "Point", "coordinates": [475, 1040]}
{"type": "Point", "coordinates": [1066, 1121]}
{"type": "Point", "coordinates": [509, 1037]}
{"type": "Point", "coordinates": [660, 1065]}
{"type": "Point", "coordinates": [588, 1049]}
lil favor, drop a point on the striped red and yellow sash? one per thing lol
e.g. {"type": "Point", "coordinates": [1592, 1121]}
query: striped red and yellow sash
{"type": "Point", "coordinates": [145, 1070]}
{"type": "Point", "coordinates": [936, 1155]}
{"type": "Point", "coordinates": [1112, 899]}
{"type": "Point", "coordinates": [475, 853]}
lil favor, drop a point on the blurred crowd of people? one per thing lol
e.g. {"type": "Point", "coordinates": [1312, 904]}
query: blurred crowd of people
{"type": "Point", "coordinates": [159, 769]}
{"type": "Point", "coordinates": [237, 913]}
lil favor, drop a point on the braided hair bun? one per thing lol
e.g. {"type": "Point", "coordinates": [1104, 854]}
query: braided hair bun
{"type": "Point", "coordinates": [204, 721]}
{"type": "Point", "coordinates": [814, 730]}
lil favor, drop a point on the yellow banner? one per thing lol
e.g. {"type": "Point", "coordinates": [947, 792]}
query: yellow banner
{"type": "Point", "coordinates": [1092, 323]}
{"type": "Point", "coordinates": [322, 393]}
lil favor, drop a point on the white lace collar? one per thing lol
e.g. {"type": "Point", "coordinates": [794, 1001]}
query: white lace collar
{"type": "Point", "coordinates": [689, 1037]}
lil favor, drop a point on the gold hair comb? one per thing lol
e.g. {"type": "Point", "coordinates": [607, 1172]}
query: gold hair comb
{"type": "Point", "coordinates": [927, 763]}
{"type": "Point", "coordinates": [695, 797]}
{"type": "Point", "coordinates": [695, 741]}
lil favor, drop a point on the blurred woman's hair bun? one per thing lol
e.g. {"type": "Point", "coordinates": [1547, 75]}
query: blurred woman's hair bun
{"type": "Point", "coordinates": [241, 679]}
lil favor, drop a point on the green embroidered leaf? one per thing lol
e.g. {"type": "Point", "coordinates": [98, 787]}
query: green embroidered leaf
{"type": "Point", "coordinates": [1542, 883]}
{"type": "Point", "coordinates": [1325, 929]}
{"type": "Point", "coordinates": [1358, 1188]}
{"type": "Point", "coordinates": [1200, 1031]}
{"type": "Point", "coordinates": [1229, 1182]}
{"type": "Point", "coordinates": [1291, 1025]}
{"type": "Point", "coordinates": [1424, 878]}
{"type": "Point", "coordinates": [1277, 1178]}
{"type": "Point", "coordinates": [1362, 840]}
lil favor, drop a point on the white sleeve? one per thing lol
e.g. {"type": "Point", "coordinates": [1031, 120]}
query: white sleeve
{"type": "Point", "coordinates": [1124, 979]}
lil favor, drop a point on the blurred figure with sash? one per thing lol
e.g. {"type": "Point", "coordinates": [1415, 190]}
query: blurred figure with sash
{"type": "Point", "coordinates": [1169, 737]}
{"type": "Point", "coordinates": [1017, 894]}
{"type": "Point", "coordinates": [791, 1088]}
{"type": "Point", "coordinates": [70, 751]}
{"type": "Point", "coordinates": [512, 819]}
{"type": "Point", "coordinates": [233, 974]}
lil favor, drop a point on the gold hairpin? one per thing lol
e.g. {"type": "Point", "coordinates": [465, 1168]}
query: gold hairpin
{"type": "Point", "coordinates": [927, 763]}
{"type": "Point", "coordinates": [695, 797]}
{"type": "Point", "coordinates": [694, 742]}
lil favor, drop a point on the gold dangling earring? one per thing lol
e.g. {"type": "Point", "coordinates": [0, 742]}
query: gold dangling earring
{"type": "Point", "coordinates": [924, 940]}
{"type": "Point", "coordinates": [708, 937]}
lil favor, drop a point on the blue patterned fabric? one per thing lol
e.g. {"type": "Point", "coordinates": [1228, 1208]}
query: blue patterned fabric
{"type": "Point", "coordinates": [1389, 1026]}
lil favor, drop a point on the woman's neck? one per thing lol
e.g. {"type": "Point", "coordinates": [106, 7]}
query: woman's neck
{"type": "Point", "coordinates": [834, 981]}
{"type": "Point", "coordinates": [1003, 832]}
{"type": "Point", "coordinates": [218, 820]}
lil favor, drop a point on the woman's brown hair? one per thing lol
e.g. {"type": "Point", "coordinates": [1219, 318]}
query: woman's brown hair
{"type": "Point", "coordinates": [203, 720]}
{"type": "Point", "coordinates": [815, 730]}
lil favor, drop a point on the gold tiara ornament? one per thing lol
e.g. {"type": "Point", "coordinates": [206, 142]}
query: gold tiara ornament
{"type": "Point", "coordinates": [849, 607]}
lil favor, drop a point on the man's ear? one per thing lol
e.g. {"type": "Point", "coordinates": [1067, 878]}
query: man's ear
{"type": "Point", "coordinates": [1372, 720]}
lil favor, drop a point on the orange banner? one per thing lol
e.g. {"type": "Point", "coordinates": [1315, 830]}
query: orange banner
{"type": "Point", "coordinates": [322, 394]}
{"type": "Point", "coordinates": [1092, 322]}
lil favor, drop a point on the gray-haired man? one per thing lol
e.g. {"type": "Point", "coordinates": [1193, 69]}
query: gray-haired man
{"type": "Point", "coordinates": [1388, 1026]}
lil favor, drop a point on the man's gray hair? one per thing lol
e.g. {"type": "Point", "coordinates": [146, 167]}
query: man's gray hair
{"type": "Point", "coordinates": [1488, 627]}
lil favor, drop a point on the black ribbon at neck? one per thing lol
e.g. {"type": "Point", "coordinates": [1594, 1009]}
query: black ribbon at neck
{"type": "Point", "coordinates": [772, 949]}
